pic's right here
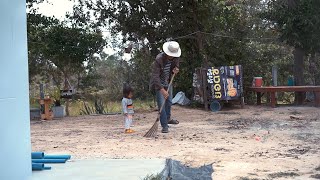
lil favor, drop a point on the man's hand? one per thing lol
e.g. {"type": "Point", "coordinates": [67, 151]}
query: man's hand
{"type": "Point", "coordinates": [164, 93]}
{"type": "Point", "coordinates": [175, 70]}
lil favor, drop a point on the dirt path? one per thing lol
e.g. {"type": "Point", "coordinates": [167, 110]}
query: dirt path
{"type": "Point", "coordinates": [255, 142]}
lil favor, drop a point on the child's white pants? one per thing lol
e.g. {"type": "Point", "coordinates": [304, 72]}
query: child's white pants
{"type": "Point", "coordinates": [127, 121]}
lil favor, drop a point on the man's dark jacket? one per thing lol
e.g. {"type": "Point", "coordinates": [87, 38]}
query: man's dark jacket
{"type": "Point", "coordinates": [158, 68]}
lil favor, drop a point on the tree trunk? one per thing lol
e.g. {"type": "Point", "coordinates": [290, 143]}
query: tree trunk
{"type": "Point", "coordinates": [78, 80]}
{"type": "Point", "coordinates": [298, 54]}
{"type": "Point", "coordinates": [317, 66]}
{"type": "Point", "coordinates": [199, 39]}
{"type": "Point", "coordinates": [201, 49]}
{"type": "Point", "coordinates": [313, 68]}
{"type": "Point", "coordinates": [292, 3]}
{"type": "Point", "coordinates": [66, 87]}
{"type": "Point", "coordinates": [154, 51]}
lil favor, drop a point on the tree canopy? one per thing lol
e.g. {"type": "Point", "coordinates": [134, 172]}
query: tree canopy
{"type": "Point", "coordinates": [254, 33]}
{"type": "Point", "coordinates": [58, 48]}
{"type": "Point", "coordinates": [297, 21]}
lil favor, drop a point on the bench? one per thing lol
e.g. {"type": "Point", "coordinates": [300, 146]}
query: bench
{"type": "Point", "coordinates": [273, 89]}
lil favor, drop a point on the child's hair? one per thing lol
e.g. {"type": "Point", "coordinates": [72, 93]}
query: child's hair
{"type": "Point", "coordinates": [127, 89]}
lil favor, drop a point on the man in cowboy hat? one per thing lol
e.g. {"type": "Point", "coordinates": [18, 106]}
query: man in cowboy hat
{"type": "Point", "coordinates": [166, 64]}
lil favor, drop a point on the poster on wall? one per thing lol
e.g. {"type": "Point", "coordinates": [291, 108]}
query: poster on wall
{"type": "Point", "coordinates": [225, 82]}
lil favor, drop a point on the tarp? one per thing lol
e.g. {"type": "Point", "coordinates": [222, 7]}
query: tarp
{"type": "Point", "coordinates": [176, 171]}
{"type": "Point", "coordinates": [181, 99]}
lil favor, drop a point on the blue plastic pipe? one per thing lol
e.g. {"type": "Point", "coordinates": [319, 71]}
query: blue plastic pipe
{"type": "Point", "coordinates": [46, 168]}
{"type": "Point", "coordinates": [37, 166]}
{"type": "Point", "coordinates": [49, 160]}
{"type": "Point", "coordinates": [57, 156]}
{"type": "Point", "coordinates": [37, 155]}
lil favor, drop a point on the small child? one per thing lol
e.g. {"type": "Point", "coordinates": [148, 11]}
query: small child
{"type": "Point", "coordinates": [127, 108]}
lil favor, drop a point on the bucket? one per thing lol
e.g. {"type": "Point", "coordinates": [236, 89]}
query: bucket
{"type": "Point", "coordinates": [215, 106]}
{"type": "Point", "coordinates": [290, 81]}
{"type": "Point", "coordinates": [257, 82]}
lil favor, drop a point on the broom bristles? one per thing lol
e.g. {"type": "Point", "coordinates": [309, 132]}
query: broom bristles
{"type": "Point", "coordinates": [153, 130]}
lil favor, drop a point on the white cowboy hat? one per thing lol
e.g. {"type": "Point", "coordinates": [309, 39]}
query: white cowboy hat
{"type": "Point", "coordinates": [172, 48]}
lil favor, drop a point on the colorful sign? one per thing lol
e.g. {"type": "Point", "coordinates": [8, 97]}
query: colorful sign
{"type": "Point", "coordinates": [225, 82]}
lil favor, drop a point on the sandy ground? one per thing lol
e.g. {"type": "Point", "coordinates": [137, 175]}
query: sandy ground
{"type": "Point", "coordinates": [255, 142]}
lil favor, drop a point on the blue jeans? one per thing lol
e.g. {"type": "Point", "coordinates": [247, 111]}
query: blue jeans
{"type": "Point", "coordinates": [165, 114]}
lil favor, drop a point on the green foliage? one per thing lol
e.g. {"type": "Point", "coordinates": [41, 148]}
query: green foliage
{"type": "Point", "coordinates": [139, 73]}
{"type": "Point", "coordinates": [152, 177]}
{"type": "Point", "coordinates": [107, 76]}
{"type": "Point", "coordinates": [297, 21]}
{"type": "Point", "coordinates": [210, 32]}
{"type": "Point", "coordinates": [158, 21]}
{"type": "Point", "coordinates": [87, 110]}
{"type": "Point", "coordinates": [30, 3]}
{"type": "Point", "coordinates": [59, 51]}
{"type": "Point", "coordinates": [68, 48]}
{"type": "Point", "coordinates": [98, 107]}
{"type": "Point", "coordinates": [55, 94]}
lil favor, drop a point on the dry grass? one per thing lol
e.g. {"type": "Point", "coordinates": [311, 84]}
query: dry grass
{"type": "Point", "coordinates": [110, 106]}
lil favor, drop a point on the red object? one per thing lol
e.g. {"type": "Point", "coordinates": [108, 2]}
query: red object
{"type": "Point", "coordinates": [257, 82]}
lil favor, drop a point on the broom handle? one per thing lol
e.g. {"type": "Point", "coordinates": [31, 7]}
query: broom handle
{"type": "Point", "coordinates": [164, 102]}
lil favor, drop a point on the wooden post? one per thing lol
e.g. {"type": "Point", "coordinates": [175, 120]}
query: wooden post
{"type": "Point", "coordinates": [259, 98]}
{"type": "Point", "coordinates": [47, 113]}
{"type": "Point", "coordinates": [67, 86]}
{"type": "Point", "coordinates": [317, 98]}
{"type": "Point", "coordinates": [273, 99]}
{"type": "Point", "coordinates": [298, 73]}
{"type": "Point", "coordinates": [275, 78]}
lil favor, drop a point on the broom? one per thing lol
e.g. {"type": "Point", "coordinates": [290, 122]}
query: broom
{"type": "Point", "coordinates": [153, 130]}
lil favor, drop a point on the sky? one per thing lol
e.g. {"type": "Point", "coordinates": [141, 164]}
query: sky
{"type": "Point", "coordinates": [59, 8]}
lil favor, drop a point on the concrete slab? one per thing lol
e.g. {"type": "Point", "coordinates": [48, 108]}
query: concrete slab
{"type": "Point", "coordinates": [113, 169]}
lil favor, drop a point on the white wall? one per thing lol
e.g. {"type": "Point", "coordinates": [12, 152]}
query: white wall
{"type": "Point", "coordinates": [15, 147]}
